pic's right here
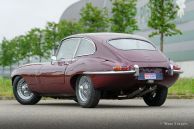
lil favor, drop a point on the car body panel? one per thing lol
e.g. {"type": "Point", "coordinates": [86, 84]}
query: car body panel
{"type": "Point", "coordinates": [60, 77]}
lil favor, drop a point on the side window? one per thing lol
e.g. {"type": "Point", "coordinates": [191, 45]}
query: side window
{"type": "Point", "coordinates": [86, 47]}
{"type": "Point", "coordinates": [68, 48]}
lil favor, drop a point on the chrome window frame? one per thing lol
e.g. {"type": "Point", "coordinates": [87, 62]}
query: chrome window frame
{"type": "Point", "coordinates": [75, 52]}
{"type": "Point", "coordinates": [90, 41]}
{"type": "Point", "coordinates": [69, 38]}
{"type": "Point", "coordinates": [108, 42]}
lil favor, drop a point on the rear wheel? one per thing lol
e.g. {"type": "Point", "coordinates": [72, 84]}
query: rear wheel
{"type": "Point", "coordinates": [23, 94]}
{"type": "Point", "coordinates": [156, 98]}
{"type": "Point", "coordinates": [86, 95]}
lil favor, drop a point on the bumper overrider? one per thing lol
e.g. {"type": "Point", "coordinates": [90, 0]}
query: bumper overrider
{"type": "Point", "coordinates": [135, 71]}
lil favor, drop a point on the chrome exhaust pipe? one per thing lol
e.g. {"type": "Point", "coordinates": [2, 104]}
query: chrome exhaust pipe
{"type": "Point", "coordinates": [136, 92]}
{"type": "Point", "coordinates": [147, 91]}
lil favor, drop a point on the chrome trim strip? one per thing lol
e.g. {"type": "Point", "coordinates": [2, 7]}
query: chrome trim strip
{"type": "Point", "coordinates": [111, 72]}
{"type": "Point", "coordinates": [177, 71]}
{"type": "Point", "coordinates": [74, 54]}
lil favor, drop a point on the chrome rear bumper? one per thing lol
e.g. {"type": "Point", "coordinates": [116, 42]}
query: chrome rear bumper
{"type": "Point", "coordinates": [111, 72]}
{"type": "Point", "coordinates": [177, 71]}
{"type": "Point", "coordinates": [135, 71]}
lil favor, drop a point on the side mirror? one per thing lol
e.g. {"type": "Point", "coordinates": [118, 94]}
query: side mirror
{"type": "Point", "coordinates": [53, 59]}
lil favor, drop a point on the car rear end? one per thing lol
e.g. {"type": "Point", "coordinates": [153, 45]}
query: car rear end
{"type": "Point", "coordinates": [149, 63]}
{"type": "Point", "coordinates": [135, 63]}
{"type": "Point", "coordinates": [129, 67]}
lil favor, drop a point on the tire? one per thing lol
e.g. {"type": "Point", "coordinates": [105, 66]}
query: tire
{"type": "Point", "coordinates": [87, 96]}
{"type": "Point", "coordinates": [156, 98]}
{"type": "Point", "coordinates": [23, 94]}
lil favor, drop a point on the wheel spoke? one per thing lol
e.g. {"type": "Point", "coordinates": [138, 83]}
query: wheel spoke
{"type": "Point", "coordinates": [84, 89]}
{"type": "Point", "coordinates": [23, 90]}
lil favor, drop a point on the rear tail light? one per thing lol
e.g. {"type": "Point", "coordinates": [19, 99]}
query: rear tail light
{"type": "Point", "coordinates": [122, 68]}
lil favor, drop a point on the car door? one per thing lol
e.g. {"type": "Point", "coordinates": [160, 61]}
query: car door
{"type": "Point", "coordinates": [52, 76]}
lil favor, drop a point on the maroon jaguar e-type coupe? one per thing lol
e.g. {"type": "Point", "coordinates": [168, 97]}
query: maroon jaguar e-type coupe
{"type": "Point", "coordinates": [94, 66]}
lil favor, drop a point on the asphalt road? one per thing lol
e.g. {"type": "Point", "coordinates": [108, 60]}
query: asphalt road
{"type": "Point", "coordinates": [110, 114]}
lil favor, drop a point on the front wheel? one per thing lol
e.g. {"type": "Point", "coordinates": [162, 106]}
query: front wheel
{"type": "Point", "coordinates": [23, 94]}
{"type": "Point", "coordinates": [156, 98]}
{"type": "Point", "coordinates": [86, 95]}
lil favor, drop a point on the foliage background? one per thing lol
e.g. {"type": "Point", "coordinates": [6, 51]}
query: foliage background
{"type": "Point", "coordinates": [40, 42]}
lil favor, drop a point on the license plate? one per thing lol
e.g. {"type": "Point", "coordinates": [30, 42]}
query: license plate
{"type": "Point", "coordinates": [150, 75]}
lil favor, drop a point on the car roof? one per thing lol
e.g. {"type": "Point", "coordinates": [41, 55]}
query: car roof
{"type": "Point", "coordinates": [105, 36]}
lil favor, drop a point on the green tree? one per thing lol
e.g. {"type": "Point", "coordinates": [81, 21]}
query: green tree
{"type": "Point", "coordinates": [1, 55]}
{"type": "Point", "coordinates": [15, 48]}
{"type": "Point", "coordinates": [7, 53]}
{"type": "Point", "coordinates": [163, 14]}
{"type": "Point", "coordinates": [3, 52]}
{"type": "Point", "coordinates": [22, 48]}
{"type": "Point", "coordinates": [55, 32]}
{"type": "Point", "coordinates": [123, 16]}
{"type": "Point", "coordinates": [37, 47]}
{"type": "Point", "coordinates": [94, 19]}
{"type": "Point", "coordinates": [50, 37]}
{"type": "Point", "coordinates": [67, 28]}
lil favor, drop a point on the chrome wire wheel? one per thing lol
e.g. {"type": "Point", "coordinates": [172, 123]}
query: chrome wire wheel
{"type": "Point", "coordinates": [84, 89]}
{"type": "Point", "coordinates": [87, 96]}
{"type": "Point", "coordinates": [23, 90]}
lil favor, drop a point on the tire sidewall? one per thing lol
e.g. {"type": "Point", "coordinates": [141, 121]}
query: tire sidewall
{"type": "Point", "coordinates": [94, 95]}
{"type": "Point", "coordinates": [159, 99]}
{"type": "Point", "coordinates": [33, 100]}
{"type": "Point", "coordinates": [77, 92]}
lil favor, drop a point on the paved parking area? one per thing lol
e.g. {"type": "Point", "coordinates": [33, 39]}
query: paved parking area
{"type": "Point", "coordinates": [110, 114]}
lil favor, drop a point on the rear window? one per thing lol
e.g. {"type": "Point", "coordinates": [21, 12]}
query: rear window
{"type": "Point", "coordinates": [131, 44]}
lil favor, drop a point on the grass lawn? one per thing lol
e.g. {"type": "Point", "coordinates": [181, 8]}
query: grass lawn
{"type": "Point", "coordinates": [184, 86]}
{"type": "Point", "coordinates": [5, 87]}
